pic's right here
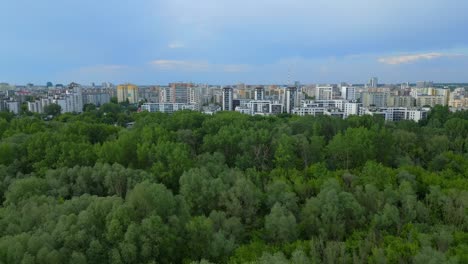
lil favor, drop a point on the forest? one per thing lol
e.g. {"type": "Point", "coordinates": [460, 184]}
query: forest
{"type": "Point", "coordinates": [112, 185]}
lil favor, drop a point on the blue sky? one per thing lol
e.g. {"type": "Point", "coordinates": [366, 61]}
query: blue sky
{"type": "Point", "coordinates": [231, 41]}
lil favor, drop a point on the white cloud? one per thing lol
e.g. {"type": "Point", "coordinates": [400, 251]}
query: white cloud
{"type": "Point", "coordinates": [197, 66]}
{"type": "Point", "coordinates": [395, 60]}
{"type": "Point", "coordinates": [176, 45]}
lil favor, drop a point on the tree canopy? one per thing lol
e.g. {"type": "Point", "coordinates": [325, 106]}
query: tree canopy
{"type": "Point", "coordinates": [230, 188]}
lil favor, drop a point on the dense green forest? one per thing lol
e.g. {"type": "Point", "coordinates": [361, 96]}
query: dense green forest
{"type": "Point", "coordinates": [231, 188]}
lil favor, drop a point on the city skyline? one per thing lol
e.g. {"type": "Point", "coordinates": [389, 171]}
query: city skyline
{"type": "Point", "coordinates": [226, 42]}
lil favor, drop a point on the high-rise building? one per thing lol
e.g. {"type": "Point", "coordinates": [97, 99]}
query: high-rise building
{"type": "Point", "coordinates": [324, 93]}
{"type": "Point", "coordinates": [35, 107]}
{"type": "Point", "coordinates": [445, 93]}
{"type": "Point", "coordinates": [13, 106]}
{"type": "Point", "coordinates": [194, 96]}
{"type": "Point", "coordinates": [259, 93]}
{"type": "Point", "coordinates": [377, 99]}
{"type": "Point", "coordinates": [401, 101]}
{"type": "Point", "coordinates": [127, 92]}
{"type": "Point", "coordinates": [348, 93]}
{"type": "Point", "coordinates": [290, 99]}
{"type": "Point", "coordinates": [227, 99]}
{"type": "Point", "coordinates": [97, 98]}
{"type": "Point", "coordinates": [373, 82]}
{"type": "Point", "coordinates": [351, 109]}
{"type": "Point", "coordinates": [69, 102]}
{"type": "Point", "coordinates": [430, 100]}
{"type": "Point", "coordinates": [165, 95]}
{"type": "Point", "coordinates": [180, 92]}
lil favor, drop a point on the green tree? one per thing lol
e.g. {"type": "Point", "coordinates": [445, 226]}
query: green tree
{"type": "Point", "coordinates": [89, 107]}
{"type": "Point", "coordinates": [280, 192]}
{"type": "Point", "coordinates": [285, 158]}
{"type": "Point", "coordinates": [351, 149]}
{"type": "Point", "coordinates": [242, 200]}
{"type": "Point", "coordinates": [22, 189]}
{"type": "Point", "coordinates": [200, 236]}
{"type": "Point", "coordinates": [52, 109]}
{"type": "Point", "coordinates": [332, 214]}
{"type": "Point", "coordinates": [201, 190]}
{"type": "Point", "coordinates": [280, 225]}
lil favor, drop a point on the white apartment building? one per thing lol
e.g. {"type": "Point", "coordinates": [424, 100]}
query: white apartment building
{"type": "Point", "coordinates": [314, 111]}
{"type": "Point", "coordinates": [167, 107]}
{"type": "Point", "coordinates": [194, 95]}
{"type": "Point", "coordinates": [70, 102]}
{"type": "Point", "coordinates": [348, 93]}
{"type": "Point", "coordinates": [324, 93]}
{"type": "Point", "coordinates": [35, 107]}
{"type": "Point", "coordinates": [13, 106]}
{"type": "Point", "coordinates": [262, 107]}
{"type": "Point", "coordinates": [351, 109]}
{"type": "Point", "coordinates": [396, 114]}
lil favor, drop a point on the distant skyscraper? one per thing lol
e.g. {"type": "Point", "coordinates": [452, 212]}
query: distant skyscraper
{"type": "Point", "coordinates": [180, 92]}
{"type": "Point", "coordinates": [194, 93]}
{"type": "Point", "coordinates": [373, 82]}
{"type": "Point", "coordinates": [348, 93]}
{"type": "Point", "coordinates": [290, 100]}
{"type": "Point", "coordinates": [259, 93]}
{"type": "Point", "coordinates": [324, 93]}
{"type": "Point", "coordinates": [227, 98]}
{"type": "Point", "coordinates": [127, 92]}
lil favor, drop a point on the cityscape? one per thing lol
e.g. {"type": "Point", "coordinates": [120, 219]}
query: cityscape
{"type": "Point", "coordinates": [393, 102]}
{"type": "Point", "coordinates": [234, 132]}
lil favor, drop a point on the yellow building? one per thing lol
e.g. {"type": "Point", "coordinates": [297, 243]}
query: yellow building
{"type": "Point", "coordinates": [127, 92]}
{"type": "Point", "coordinates": [429, 100]}
{"type": "Point", "coordinates": [459, 103]}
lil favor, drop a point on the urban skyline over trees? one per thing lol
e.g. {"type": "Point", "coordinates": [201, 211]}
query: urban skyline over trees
{"type": "Point", "coordinates": [234, 131]}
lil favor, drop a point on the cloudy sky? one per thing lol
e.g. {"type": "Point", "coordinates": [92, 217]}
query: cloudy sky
{"type": "Point", "coordinates": [231, 41]}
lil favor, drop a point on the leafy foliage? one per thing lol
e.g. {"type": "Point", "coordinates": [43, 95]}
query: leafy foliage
{"type": "Point", "coordinates": [229, 188]}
